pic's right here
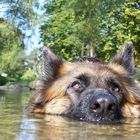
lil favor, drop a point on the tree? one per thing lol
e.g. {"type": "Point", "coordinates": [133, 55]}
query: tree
{"type": "Point", "coordinates": [121, 24]}
{"type": "Point", "coordinates": [20, 18]}
{"type": "Point", "coordinates": [21, 13]}
{"type": "Point", "coordinates": [58, 30]}
{"type": "Point", "coordinates": [32, 63]}
{"type": "Point", "coordinates": [73, 27]}
{"type": "Point", "coordinates": [12, 50]}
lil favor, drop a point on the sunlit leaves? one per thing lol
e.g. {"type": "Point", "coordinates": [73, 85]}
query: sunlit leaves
{"type": "Point", "coordinates": [84, 25]}
{"type": "Point", "coordinates": [11, 54]}
{"type": "Point", "coordinates": [120, 25]}
{"type": "Point", "coordinates": [22, 13]}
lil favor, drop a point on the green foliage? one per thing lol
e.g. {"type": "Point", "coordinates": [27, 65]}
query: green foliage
{"type": "Point", "coordinates": [32, 63]}
{"type": "Point", "coordinates": [11, 54]}
{"type": "Point", "coordinates": [3, 80]}
{"type": "Point", "coordinates": [58, 31]}
{"type": "Point", "coordinates": [20, 17]}
{"type": "Point", "coordinates": [74, 27]}
{"type": "Point", "coordinates": [120, 25]}
{"type": "Point", "coordinates": [22, 13]}
{"type": "Point", "coordinates": [138, 74]}
{"type": "Point", "coordinates": [28, 76]}
{"type": "Point", "coordinates": [89, 15]}
{"type": "Point", "coordinates": [87, 27]}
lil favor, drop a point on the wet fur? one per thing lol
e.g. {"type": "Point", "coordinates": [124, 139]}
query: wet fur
{"type": "Point", "coordinates": [56, 75]}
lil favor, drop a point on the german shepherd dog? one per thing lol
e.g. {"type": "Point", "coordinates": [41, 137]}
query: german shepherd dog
{"type": "Point", "coordinates": [88, 89]}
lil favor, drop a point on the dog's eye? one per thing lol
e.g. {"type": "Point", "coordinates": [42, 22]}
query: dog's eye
{"type": "Point", "coordinates": [115, 88]}
{"type": "Point", "coordinates": [77, 86]}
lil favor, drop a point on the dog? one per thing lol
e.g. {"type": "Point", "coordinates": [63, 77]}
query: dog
{"type": "Point", "coordinates": [88, 89]}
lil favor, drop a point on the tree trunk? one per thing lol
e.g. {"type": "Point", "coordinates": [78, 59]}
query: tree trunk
{"type": "Point", "coordinates": [83, 49]}
{"type": "Point", "coordinates": [92, 49]}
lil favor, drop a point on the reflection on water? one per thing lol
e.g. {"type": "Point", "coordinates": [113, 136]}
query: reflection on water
{"type": "Point", "coordinates": [16, 124]}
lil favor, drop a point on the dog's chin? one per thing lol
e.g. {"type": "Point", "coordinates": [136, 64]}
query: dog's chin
{"type": "Point", "coordinates": [102, 120]}
{"type": "Point", "coordinates": [97, 120]}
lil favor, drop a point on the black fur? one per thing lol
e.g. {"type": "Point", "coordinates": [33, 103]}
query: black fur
{"type": "Point", "coordinates": [50, 65]}
{"type": "Point", "coordinates": [126, 58]}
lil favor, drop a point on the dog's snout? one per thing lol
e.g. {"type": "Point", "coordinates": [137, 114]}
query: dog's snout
{"type": "Point", "coordinates": [99, 106]}
{"type": "Point", "coordinates": [102, 105]}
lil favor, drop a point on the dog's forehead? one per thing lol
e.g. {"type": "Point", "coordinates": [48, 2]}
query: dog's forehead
{"type": "Point", "coordinates": [91, 69]}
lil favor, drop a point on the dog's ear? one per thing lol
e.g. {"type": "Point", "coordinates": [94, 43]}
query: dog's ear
{"type": "Point", "coordinates": [48, 71]}
{"type": "Point", "coordinates": [50, 64]}
{"type": "Point", "coordinates": [125, 58]}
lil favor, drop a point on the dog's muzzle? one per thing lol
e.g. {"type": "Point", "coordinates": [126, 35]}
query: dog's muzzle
{"type": "Point", "coordinates": [98, 106]}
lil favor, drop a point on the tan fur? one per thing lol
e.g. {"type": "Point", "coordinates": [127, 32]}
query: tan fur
{"type": "Point", "coordinates": [131, 106]}
{"type": "Point", "coordinates": [57, 102]}
{"type": "Point", "coordinates": [65, 67]}
{"type": "Point", "coordinates": [118, 68]}
{"type": "Point", "coordinates": [58, 106]}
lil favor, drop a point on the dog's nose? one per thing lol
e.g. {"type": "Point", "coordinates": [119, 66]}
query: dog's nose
{"type": "Point", "coordinates": [102, 105]}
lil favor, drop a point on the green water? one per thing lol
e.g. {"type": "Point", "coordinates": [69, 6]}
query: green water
{"type": "Point", "coordinates": [16, 124]}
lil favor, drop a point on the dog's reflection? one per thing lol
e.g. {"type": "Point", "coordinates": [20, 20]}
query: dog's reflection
{"type": "Point", "coordinates": [58, 127]}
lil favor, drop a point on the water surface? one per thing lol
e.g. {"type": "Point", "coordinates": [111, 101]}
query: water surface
{"type": "Point", "coordinates": [16, 124]}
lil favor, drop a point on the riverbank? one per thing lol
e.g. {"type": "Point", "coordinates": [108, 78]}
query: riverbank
{"type": "Point", "coordinates": [15, 87]}
{"type": "Point", "coordinates": [33, 85]}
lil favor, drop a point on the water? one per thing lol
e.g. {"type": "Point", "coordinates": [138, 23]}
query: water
{"type": "Point", "coordinates": [16, 124]}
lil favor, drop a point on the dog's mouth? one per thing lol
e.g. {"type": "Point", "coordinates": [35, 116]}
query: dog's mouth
{"type": "Point", "coordinates": [102, 120]}
{"type": "Point", "coordinates": [93, 118]}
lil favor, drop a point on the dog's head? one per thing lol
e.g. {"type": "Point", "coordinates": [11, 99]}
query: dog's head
{"type": "Point", "coordinates": [88, 89]}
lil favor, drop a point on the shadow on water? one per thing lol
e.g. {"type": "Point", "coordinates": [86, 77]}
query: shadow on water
{"type": "Point", "coordinates": [16, 124]}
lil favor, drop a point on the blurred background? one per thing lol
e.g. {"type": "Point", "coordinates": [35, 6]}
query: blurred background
{"type": "Point", "coordinates": [72, 28]}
